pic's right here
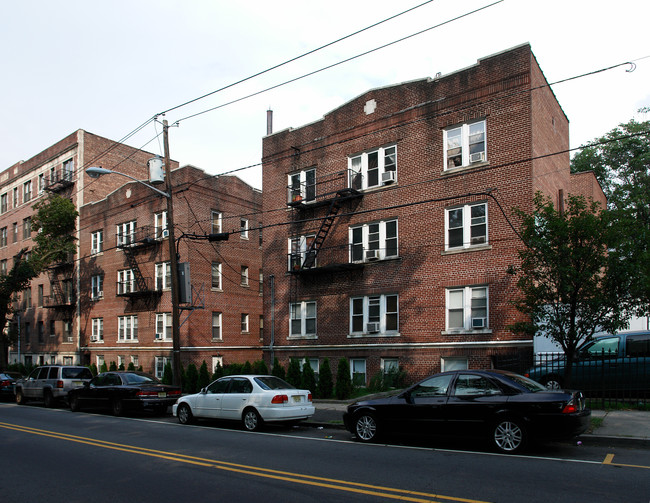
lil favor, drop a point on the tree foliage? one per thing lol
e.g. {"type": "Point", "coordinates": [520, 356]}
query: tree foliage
{"type": "Point", "coordinates": [621, 162]}
{"type": "Point", "coordinates": [343, 387]}
{"type": "Point", "coordinates": [568, 281]}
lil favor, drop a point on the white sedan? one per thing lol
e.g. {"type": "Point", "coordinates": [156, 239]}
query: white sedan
{"type": "Point", "coordinates": [251, 399]}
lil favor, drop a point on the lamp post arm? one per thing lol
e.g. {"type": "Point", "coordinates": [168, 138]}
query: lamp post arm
{"type": "Point", "coordinates": [96, 172]}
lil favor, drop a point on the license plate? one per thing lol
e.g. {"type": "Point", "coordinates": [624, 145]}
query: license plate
{"type": "Point", "coordinates": [297, 398]}
{"type": "Point", "coordinates": [77, 383]}
{"type": "Point", "coordinates": [162, 394]}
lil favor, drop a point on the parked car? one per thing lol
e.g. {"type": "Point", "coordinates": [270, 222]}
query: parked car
{"type": "Point", "coordinates": [122, 391]}
{"type": "Point", "coordinates": [251, 399]}
{"type": "Point", "coordinates": [51, 383]}
{"type": "Point", "coordinates": [608, 363]}
{"type": "Point", "coordinates": [506, 408]}
{"type": "Point", "coordinates": [8, 384]}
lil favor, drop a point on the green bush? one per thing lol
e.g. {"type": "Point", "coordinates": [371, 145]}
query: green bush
{"type": "Point", "coordinates": [259, 367]}
{"type": "Point", "coordinates": [192, 379]}
{"type": "Point", "coordinates": [131, 367]}
{"type": "Point", "coordinates": [93, 368]}
{"type": "Point", "coordinates": [343, 387]}
{"type": "Point", "coordinates": [278, 370]}
{"type": "Point", "coordinates": [218, 372]}
{"type": "Point", "coordinates": [204, 376]}
{"type": "Point", "coordinates": [308, 378]}
{"type": "Point", "coordinates": [293, 373]}
{"type": "Point", "coordinates": [168, 375]}
{"type": "Point", "coordinates": [247, 369]}
{"type": "Point", "coordinates": [103, 368]}
{"type": "Point", "coordinates": [113, 366]}
{"type": "Point", "coordinates": [325, 381]}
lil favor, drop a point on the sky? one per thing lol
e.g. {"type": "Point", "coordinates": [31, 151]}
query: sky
{"type": "Point", "coordinates": [110, 67]}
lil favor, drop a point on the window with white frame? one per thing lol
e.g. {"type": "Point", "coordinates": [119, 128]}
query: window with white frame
{"type": "Point", "coordinates": [163, 326]}
{"type": "Point", "coordinates": [160, 225]}
{"type": "Point", "coordinates": [374, 314]}
{"type": "Point", "coordinates": [68, 170]}
{"type": "Point", "coordinates": [125, 281]}
{"type": "Point", "coordinates": [135, 359]}
{"type": "Point", "coordinates": [467, 308]}
{"type": "Point", "coordinates": [466, 226]}
{"type": "Point", "coordinates": [127, 328]}
{"type": "Point", "coordinates": [216, 275]}
{"type": "Point", "coordinates": [216, 219]}
{"type": "Point", "coordinates": [244, 275]}
{"type": "Point", "coordinates": [3, 203]}
{"type": "Point", "coordinates": [358, 371]}
{"type": "Point", "coordinates": [298, 248]}
{"type": "Point", "coordinates": [389, 365]}
{"type": "Point", "coordinates": [126, 233]}
{"type": "Point", "coordinates": [100, 361]}
{"type": "Point", "coordinates": [302, 186]}
{"type": "Point", "coordinates": [453, 363]}
{"type": "Point", "coordinates": [96, 242]}
{"type": "Point", "coordinates": [27, 227]}
{"type": "Point", "coordinates": [41, 183]}
{"type": "Point", "coordinates": [243, 228]}
{"type": "Point", "coordinates": [216, 326]}
{"type": "Point", "coordinates": [163, 275]}
{"type": "Point", "coordinates": [161, 362]}
{"type": "Point", "coordinates": [27, 191]}
{"type": "Point", "coordinates": [16, 198]}
{"type": "Point", "coordinates": [120, 362]}
{"type": "Point", "coordinates": [97, 286]}
{"type": "Point", "coordinates": [244, 322]}
{"type": "Point", "coordinates": [67, 331]}
{"type": "Point", "coordinates": [302, 322]}
{"type": "Point", "coordinates": [3, 237]}
{"type": "Point", "coordinates": [465, 145]}
{"type": "Point", "coordinates": [217, 360]}
{"type": "Point", "coordinates": [374, 241]}
{"type": "Point", "coordinates": [373, 169]}
{"type": "Point", "coordinates": [97, 334]}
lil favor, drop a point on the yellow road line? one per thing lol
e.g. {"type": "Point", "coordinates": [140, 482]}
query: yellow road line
{"type": "Point", "coordinates": [296, 478]}
{"type": "Point", "coordinates": [609, 460]}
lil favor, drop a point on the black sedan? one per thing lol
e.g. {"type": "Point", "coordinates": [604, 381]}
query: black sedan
{"type": "Point", "coordinates": [504, 407]}
{"type": "Point", "coordinates": [124, 391]}
{"type": "Point", "coordinates": [8, 385]}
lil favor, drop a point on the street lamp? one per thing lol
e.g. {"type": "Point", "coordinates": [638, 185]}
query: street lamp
{"type": "Point", "coordinates": [96, 172]}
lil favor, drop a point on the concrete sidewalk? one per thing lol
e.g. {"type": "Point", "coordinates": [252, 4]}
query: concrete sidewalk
{"type": "Point", "coordinates": [621, 427]}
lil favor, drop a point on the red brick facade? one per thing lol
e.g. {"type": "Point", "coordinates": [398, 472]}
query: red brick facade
{"type": "Point", "coordinates": [465, 149]}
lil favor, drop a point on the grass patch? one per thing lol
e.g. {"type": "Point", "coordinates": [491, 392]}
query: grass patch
{"type": "Point", "coordinates": [596, 422]}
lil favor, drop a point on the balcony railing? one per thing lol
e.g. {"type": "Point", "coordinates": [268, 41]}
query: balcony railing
{"type": "Point", "coordinates": [130, 288]}
{"type": "Point", "coordinates": [324, 189]}
{"type": "Point", "coordinates": [146, 235]}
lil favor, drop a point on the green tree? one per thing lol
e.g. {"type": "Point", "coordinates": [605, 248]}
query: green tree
{"type": "Point", "coordinates": [293, 373]}
{"type": "Point", "coordinates": [343, 386]}
{"type": "Point", "coordinates": [192, 379]}
{"type": "Point", "coordinates": [278, 370]}
{"type": "Point", "coordinates": [621, 162]}
{"type": "Point", "coordinates": [103, 368]}
{"type": "Point", "coordinates": [325, 381]}
{"type": "Point", "coordinates": [247, 369]}
{"type": "Point", "coordinates": [167, 377]}
{"type": "Point", "coordinates": [204, 376]}
{"type": "Point", "coordinates": [308, 378]}
{"type": "Point", "coordinates": [259, 367]}
{"type": "Point", "coordinates": [218, 372]}
{"type": "Point", "coordinates": [567, 292]}
{"type": "Point", "coordinates": [54, 221]}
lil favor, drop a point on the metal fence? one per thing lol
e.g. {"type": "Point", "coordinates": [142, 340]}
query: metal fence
{"type": "Point", "coordinates": [608, 381]}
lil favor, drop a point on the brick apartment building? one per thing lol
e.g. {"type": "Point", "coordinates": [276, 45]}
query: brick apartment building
{"type": "Point", "coordinates": [397, 228]}
{"type": "Point", "coordinates": [94, 305]}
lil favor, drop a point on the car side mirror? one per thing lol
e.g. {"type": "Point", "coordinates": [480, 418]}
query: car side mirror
{"type": "Point", "coordinates": [407, 397]}
{"type": "Point", "coordinates": [204, 391]}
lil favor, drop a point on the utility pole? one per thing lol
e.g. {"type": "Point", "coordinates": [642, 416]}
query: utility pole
{"type": "Point", "coordinates": [173, 264]}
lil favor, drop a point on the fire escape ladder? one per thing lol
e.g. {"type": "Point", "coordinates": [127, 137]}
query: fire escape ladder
{"type": "Point", "coordinates": [133, 265]}
{"type": "Point", "coordinates": [57, 291]}
{"type": "Point", "coordinates": [321, 235]}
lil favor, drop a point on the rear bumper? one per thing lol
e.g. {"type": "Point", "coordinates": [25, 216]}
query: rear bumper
{"type": "Point", "coordinates": [562, 426]}
{"type": "Point", "coordinates": [292, 413]}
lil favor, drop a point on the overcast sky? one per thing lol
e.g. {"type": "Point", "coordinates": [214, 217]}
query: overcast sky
{"type": "Point", "coordinates": [108, 67]}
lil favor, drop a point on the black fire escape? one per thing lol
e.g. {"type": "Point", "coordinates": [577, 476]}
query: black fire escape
{"type": "Point", "coordinates": [62, 294]}
{"type": "Point", "coordinates": [131, 244]}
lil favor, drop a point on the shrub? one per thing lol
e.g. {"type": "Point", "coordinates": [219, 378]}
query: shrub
{"type": "Point", "coordinates": [192, 378]}
{"type": "Point", "coordinates": [259, 367]}
{"type": "Point", "coordinates": [278, 370]}
{"type": "Point", "coordinates": [168, 375]}
{"type": "Point", "coordinates": [93, 368]}
{"type": "Point", "coordinates": [113, 366]}
{"type": "Point", "coordinates": [218, 372]}
{"type": "Point", "coordinates": [247, 369]}
{"type": "Point", "coordinates": [325, 382]}
{"type": "Point", "coordinates": [131, 367]}
{"type": "Point", "coordinates": [308, 378]}
{"type": "Point", "coordinates": [103, 368]}
{"type": "Point", "coordinates": [343, 387]}
{"type": "Point", "coordinates": [204, 376]}
{"type": "Point", "coordinates": [293, 373]}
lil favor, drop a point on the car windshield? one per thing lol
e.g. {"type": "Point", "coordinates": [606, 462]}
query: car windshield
{"type": "Point", "coordinates": [272, 382]}
{"type": "Point", "coordinates": [529, 384]}
{"type": "Point", "coordinates": [76, 373]}
{"type": "Point", "coordinates": [138, 379]}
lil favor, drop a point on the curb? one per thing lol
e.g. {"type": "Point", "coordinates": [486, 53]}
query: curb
{"type": "Point", "coordinates": [608, 440]}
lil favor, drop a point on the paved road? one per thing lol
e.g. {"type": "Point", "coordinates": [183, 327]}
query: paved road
{"type": "Point", "coordinates": [57, 455]}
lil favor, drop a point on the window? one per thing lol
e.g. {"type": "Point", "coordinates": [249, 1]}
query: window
{"type": "Point", "coordinates": [160, 225]}
{"type": "Point", "coordinates": [16, 198]}
{"type": "Point", "coordinates": [100, 362]}
{"type": "Point", "coordinates": [302, 186]}
{"type": "Point", "coordinates": [127, 328]}
{"type": "Point", "coordinates": [465, 145]}
{"type": "Point", "coordinates": [373, 169]}
{"type": "Point", "coordinates": [298, 251]}
{"type": "Point", "coordinates": [161, 362]}
{"type": "Point", "coordinates": [135, 359]}
{"type": "Point", "coordinates": [375, 241]}
{"type": "Point", "coordinates": [41, 331]}
{"type": "Point", "coordinates": [244, 322]}
{"type": "Point", "coordinates": [67, 331]}
{"type": "Point", "coordinates": [358, 371]}
{"type": "Point", "coordinates": [432, 387]}
{"type": "Point", "coordinates": [374, 314]}
{"type": "Point", "coordinates": [3, 203]}
{"type": "Point", "coordinates": [243, 228]}
{"type": "Point", "coordinates": [467, 308]}
{"type": "Point", "coordinates": [97, 334]}
{"type": "Point", "coordinates": [216, 217]}
{"type": "Point", "coordinates": [125, 281]}
{"type": "Point", "coordinates": [389, 365]}
{"type": "Point", "coordinates": [14, 232]}
{"type": "Point", "coordinates": [261, 321]}
{"type": "Point", "coordinates": [3, 237]}
{"type": "Point", "coordinates": [217, 361]}
{"type": "Point", "coordinates": [475, 385]}
{"type": "Point", "coordinates": [68, 170]}
{"type": "Point", "coordinates": [68, 291]}
{"type": "Point", "coordinates": [244, 275]}
{"type": "Point", "coordinates": [453, 363]}
{"type": "Point", "coordinates": [163, 273]}
{"type": "Point", "coordinates": [40, 295]}
{"type": "Point", "coordinates": [261, 283]}
{"type": "Point", "coordinates": [27, 191]}
{"type": "Point", "coordinates": [126, 233]}
{"type": "Point", "coordinates": [216, 275]}
{"type": "Point", "coordinates": [52, 328]}
{"type": "Point", "coordinates": [97, 286]}
{"type": "Point", "coordinates": [41, 183]}
{"type": "Point", "coordinates": [216, 326]}
{"type": "Point", "coordinates": [96, 242]}
{"type": "Point", "coordinates": [27, 298]}
{"type": "Point", "coordinates": [3, 266]}
{"type": "Point", "coordinates": [27, 227]}
{"type": "Point", "coordinates": [164, 326]}
{"type": "Point", "coordinates": [302, 321]}
{"type": "Point", "coordinates": [466, 226]}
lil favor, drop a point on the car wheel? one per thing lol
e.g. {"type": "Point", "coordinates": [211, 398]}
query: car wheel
{"type": "Point", "coordinates": [552, 382]}
{"type": "Point", "coordinates": [74, 404]}
{"type": "Point", "coordinates": [251, 420]}
{"type": "Point", "coordinates": [20, 397]}
{"type": "Point", "coordinates": [365, 427]}
{"type": "Point", "coordinates": [117, 407]}
{"type": "Point", "coordinates": [509, 435]}
{"type": "Point", "coordinates": [184, 414]}
{"type": "Point", "coordinates": [48, 399]}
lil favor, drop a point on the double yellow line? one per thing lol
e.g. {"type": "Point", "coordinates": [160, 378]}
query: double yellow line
{"type": "Point", "coordinates": [294, 478]}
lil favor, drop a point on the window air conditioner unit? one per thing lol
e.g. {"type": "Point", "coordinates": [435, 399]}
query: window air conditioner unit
{"type": "Point", "coordinates": [164, 234]}
{"type": "Point", "coordinates": [477, 157]}
{"type": "Point", "coordinates": [372, 327]}
{"type": "Point", "coordinates": [159, 337]}
{"type": "Point", "coordinates": [388, 176]}
{"type": "Point", "coordinates": [93, 338]}
{"type": "Point", "coordinates": [372, 255]}
{"type": "Point", "coordinates": [99, 294]}
{"type": "Point", "coordinates": [479, 322]}
{"type": "Point", "coordinates": [94, 251]}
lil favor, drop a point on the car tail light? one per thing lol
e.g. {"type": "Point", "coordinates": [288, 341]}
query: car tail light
{"type": "Point", "coordinates": [59, 384]}
{"type": "Point", "coordinates": [5, 383]}
{"type": "Point", "coordinates": [146, 393]}
{"type": "Point", "coordinates": [570, 408]}
{"type": "Point", "coordinates": [174, 393]}
{"type": "Point", "coordinates": [309, 397]}
{"type": "Point", "coordinates": [280, 399]}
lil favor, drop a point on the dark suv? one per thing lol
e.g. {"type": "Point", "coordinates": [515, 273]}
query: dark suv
{"type": "Point", "coordinates": [51, 383]}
